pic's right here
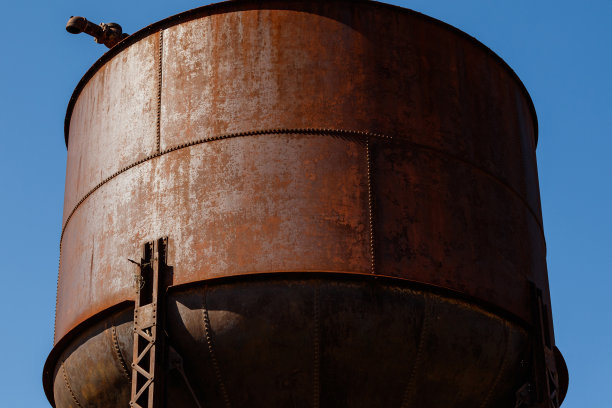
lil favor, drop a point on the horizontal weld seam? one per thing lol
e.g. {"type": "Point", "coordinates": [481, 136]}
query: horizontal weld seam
{"type": "Point", "coordinates": [300, 131]}
{"type": "Point", "coordinates": [306, 131]}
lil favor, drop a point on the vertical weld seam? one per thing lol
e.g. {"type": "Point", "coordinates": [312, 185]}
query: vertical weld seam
{"type": "Point", "coordinates": [213, 357]}
{"type": "Point", "coordinates": [371, 208]}
{"type": "Point", "coordinates": [119, 355]}
{"type": "Point", "coordinates": [412, 379]}
{"type": "Point", "coordinates": [59, 268]}
{"type": "Point", "coordinates": [502, 368]}
{"type": "Point", "coordinates": [316, 380]}
{"type": "Point", "coordinates": [160, 55]}
{"type": "Point", "coordinates": [76, 401]}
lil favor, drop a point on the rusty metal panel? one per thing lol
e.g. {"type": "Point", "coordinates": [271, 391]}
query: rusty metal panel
{"type": "Point", "coordinates": [86, 284]}
{"type": "Point", "coordinates": [238, 206]}
{"type": "Point", "coordinates": [255, 69]}
{"type": "Point", "coordinates": [114, 120]}
{"type": "Point", "coordinates": [246, 70]}
{"type": "Point", "coordinates": [447, 223]}
{"type": "Point", "coordinates": [378, 345]}
{"type": "Point", "coordinates": [528, 165]}
{"type": "Point", "coordinates": [385, 72]}
{"type": "Point", "coordinates": [402, 150]}
{"type": "Point", "coordinates": [93, 369]}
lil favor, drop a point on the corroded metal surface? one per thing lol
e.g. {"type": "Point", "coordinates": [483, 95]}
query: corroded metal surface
{"type": "Point", "coordinates": [245, 205]}
{"type": "Point", "coordinates": [113, 121]}
{"type": "Point", "coordinates": [442, 221]}
{"type": "Point", "coordinates": [290, 341]}
{"type": "Point", "coordinates": [312, 333]}
{"type": "Point", "coordinates": [235, 205]}
{"type": "Point", "coordinates": [402, 149]}
{"type": "Point", "coordinates": [384, 72]}
{"type": "Point", "coordinates": [93, 370]}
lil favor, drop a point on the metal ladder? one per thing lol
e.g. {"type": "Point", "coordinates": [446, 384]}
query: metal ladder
{"type": "Point", "coordinates": [149, 340]}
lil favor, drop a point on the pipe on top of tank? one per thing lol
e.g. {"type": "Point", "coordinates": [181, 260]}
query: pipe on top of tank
{"type": "Point", "coordinates": [109, 34]}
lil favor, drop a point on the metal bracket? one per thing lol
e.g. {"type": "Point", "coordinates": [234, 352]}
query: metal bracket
{"type": "Point", "coordinates": [149, 341]}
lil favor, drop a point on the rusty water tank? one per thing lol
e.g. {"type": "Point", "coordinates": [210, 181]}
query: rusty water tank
{"type": "Point", "coordinates": [351, 198]}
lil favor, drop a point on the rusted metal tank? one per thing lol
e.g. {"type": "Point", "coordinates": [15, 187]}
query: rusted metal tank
{"type": "Point", "coordinates": [350, 195]}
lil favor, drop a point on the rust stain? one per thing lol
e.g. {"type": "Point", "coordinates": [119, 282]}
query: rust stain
{"type": "Point", "coordinates": [401, 148]}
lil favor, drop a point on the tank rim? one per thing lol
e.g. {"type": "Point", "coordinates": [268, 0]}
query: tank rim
{"type": "Point", "coordinates": [236, 5]}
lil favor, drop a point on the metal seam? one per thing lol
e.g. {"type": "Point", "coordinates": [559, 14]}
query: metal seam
{"type": "Point", "coordinates": [200, 11]}
{"type": "Point", "coordinates": [371, 208]}
{"type": "Point", "coordinates": [417, 359]}
{"type": "Point", "coordinates": [213, 357]}
{"type": "Point", "coordinates": [160, 54]}
{"type": "Point", "coordinates": [301, 131]}
{"type": "Point", "coordinates": [59, 270]}
{"type": "Point", "coordinates": [502, 368]}
{"type": "Point", "coordinates": [76, 401]}
{"type": "Point", "coordinates": [316, 380]}
{"type": "Point", "coordinates": [119, 355]}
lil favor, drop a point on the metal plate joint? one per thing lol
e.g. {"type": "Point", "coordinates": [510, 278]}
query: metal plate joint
{"type": "Point", "coordinates": [145, 316]}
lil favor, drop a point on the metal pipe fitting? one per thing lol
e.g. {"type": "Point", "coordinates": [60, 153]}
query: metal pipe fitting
{"type": "Point", "coordinates": [108, 34]}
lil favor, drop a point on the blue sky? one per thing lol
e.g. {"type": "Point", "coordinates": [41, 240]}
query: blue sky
{"type": "Point", "coordinates": [560, 49]}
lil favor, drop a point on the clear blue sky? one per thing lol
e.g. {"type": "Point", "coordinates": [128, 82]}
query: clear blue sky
{"type": "Point", "coordinates": [560, 49]}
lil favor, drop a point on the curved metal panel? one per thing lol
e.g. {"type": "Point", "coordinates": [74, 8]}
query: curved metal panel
{"type": "Point", "coordinates": [244, 70]}
{"type": "Point", "coordinates": [444, 222]}
{"type": "Point", "coordinates": [236, 206]}
{"type": "Point", "coordinates": [114, 120]}
{"type": "Point", "coordinates": [403, 149]}
{"type": "Point", "coordinates": [293, 342]}
{"type": "Point", "coordinates": [384, 72]}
